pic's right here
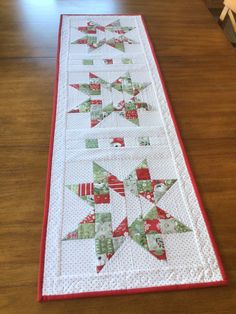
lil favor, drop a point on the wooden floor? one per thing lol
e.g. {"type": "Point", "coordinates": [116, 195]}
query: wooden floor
{"type": "Point", "coordinates": [199, 67]}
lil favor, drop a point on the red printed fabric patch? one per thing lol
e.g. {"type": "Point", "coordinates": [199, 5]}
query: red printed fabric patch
{"type": "Point", "coordinates": [122, 213]}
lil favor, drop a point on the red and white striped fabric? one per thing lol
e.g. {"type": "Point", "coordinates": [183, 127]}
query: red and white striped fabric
{"type": "Point", "coordinates": [85, 189]}
{"type": "Point", "coordinates": [116, 184]}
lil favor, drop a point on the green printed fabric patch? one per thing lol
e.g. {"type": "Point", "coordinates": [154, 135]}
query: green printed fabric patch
{"type": "Point", "coordinates": [127, 61]}
{"type": "Point", "coordinates": [91, 143]}
{"type": "Point", "coordinates": [88, 62]}
{"type": "Point", "coordinates": [144, 141]}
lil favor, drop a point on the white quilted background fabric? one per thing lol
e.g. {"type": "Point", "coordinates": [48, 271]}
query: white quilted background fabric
{"type": "Point", "coordinates": [70, 265]}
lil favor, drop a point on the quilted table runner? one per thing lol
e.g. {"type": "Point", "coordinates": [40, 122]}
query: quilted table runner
{"type": "Point", "coordinates": [122, 213]}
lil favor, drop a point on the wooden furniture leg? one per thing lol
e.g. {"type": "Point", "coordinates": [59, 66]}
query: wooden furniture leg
{"type": "Point", "coordinates": [232, 19]}
{"type": "Point", "coordinates": [223, 13]}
